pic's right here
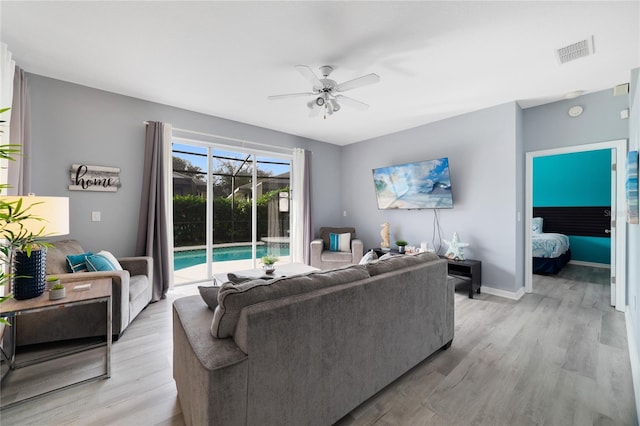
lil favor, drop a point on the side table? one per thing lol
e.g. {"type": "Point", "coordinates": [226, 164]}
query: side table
{"type": "Point", "coordinates": [100, 292]}
{"type": "Point", "coordinates": [467, 270]}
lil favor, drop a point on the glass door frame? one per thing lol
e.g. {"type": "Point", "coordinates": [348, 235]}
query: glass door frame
{"type": "Point", "coordinates": [254, 153]}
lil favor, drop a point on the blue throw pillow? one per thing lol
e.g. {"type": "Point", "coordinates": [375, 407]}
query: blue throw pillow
{"type": "Point", "coordinates": [99, 262]}
{"type": "Point", "coordinates": [76, 262]}
{"type": "Point", "coordinates": [340, 242]}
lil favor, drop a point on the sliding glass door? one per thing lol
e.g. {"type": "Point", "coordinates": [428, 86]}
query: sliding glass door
{"type": "Point", "coordinates": [230, 208]}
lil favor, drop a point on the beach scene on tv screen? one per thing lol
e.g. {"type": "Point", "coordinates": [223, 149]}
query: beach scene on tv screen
{"type": "Point", "coordinates": [421, 185]}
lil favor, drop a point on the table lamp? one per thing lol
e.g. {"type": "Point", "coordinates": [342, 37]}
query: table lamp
{"type": "Point", "coordinates": [45, 217]}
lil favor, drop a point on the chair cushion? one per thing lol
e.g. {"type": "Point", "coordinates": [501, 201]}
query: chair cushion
{"type": "Point", "coordinates": [138, 284]}
{"type": "Point", "coordinates": [233, 297]}
{"type": "Point", "coordinates": [336, 256]}
{"type": "Point", "coordinates": [324, 234]}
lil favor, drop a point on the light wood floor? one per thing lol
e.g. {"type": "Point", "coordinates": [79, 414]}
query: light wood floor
{"type": "Point", "coordinates": [557, 357]}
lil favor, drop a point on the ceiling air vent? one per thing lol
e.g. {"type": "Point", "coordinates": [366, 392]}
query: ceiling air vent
{"type": "Point", "coordinates": [576, 50]}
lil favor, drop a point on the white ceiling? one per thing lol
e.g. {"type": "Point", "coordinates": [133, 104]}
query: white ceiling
{"type": "Point", "coordinates": [435, 59]}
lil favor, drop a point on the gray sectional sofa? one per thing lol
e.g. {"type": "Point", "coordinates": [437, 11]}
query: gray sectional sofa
{"type": "Point", "coordinates": [308, 349]}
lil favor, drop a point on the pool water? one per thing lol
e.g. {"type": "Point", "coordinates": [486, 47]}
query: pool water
{"type": "Point", "coordinates": [185, 259]}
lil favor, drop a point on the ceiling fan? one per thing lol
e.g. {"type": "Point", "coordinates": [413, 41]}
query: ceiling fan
{"type": "Point", "coordinates": [326, 92]}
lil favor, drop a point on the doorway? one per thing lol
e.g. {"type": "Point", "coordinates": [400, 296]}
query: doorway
{"type": "Point", "coordinates": [230, 208]}
{"type": "Point", "coordinates": [618, 221]}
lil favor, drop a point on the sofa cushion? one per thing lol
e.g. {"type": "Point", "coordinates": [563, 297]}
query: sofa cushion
{"type": "Point", "coordinates": [381, 266]}
{"type": "Point", "coordinates": [209, 294]}
{"type": "Point", "coordinates": [326, 238]}
{"type": "Point", "coordinates": [368, 257]}
{"type": "Point", "coordinates": [78, 262]}
{"type": "Point", "coordinates": [233, 297]}
{"type": "Point", "coordinates": [102, 262]}
{"type": "Point", "coordinates": [57, 255]}
{"type": "Point", "coordinates": [138, 284]}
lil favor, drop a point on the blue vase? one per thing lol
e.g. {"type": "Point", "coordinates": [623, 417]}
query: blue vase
{"type": "Point", "coordinates": [30, 274]}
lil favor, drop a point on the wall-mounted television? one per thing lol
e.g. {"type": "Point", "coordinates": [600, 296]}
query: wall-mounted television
{"type": "Point", "coordinates": [420, 185]}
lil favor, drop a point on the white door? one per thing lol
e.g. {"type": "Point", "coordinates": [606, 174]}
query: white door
{"type": "Point", "coordinates": [612, 229]}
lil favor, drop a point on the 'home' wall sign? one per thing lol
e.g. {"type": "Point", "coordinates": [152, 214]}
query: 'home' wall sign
{"type": "Point", "coordinates": [94, 178]}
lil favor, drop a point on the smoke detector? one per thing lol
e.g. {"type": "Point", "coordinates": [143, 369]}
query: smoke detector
{"type": "Point", "coordinates": [576, 50]}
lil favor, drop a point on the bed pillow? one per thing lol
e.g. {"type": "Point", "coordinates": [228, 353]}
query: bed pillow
{"type": "Point", "coordinates": [76, 262]}
{"type": "Point", "coordinates": [340, 242]}
{"type": "Point", "coordinates": [536, 225]}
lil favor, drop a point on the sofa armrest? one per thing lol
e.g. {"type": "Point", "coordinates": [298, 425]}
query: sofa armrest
{"type": "Point", "coordinates": [138, 265]}
{"type": "Point", "coordinates": [316, 253]}
{"type": "Point", "coordinates": [357, 250]}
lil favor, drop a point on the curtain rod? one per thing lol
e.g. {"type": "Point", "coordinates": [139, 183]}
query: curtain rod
{"type": "Point", "coordinates": [242, 141]}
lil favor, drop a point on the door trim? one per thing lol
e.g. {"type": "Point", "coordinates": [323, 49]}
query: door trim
{"type": "Point", "coordinates": [620, 145]}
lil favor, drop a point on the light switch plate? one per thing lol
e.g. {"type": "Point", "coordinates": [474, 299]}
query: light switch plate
{"type": "Point", "coordinates": [95, 216]}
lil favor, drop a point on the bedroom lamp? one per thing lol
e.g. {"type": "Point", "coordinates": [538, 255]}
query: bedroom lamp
{"type": "Point", "coordinates": [46, 217]}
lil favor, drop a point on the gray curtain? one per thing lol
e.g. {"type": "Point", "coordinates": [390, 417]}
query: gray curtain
{"type": "Point", "coordinates": [153, 237]}
{"type": "Point", "coordinates": [19, 171]}
{"type": "Point", "coordinates": [307, 220]}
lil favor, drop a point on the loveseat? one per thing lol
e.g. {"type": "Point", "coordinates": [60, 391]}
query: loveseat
{"type": "Point", "coordinates": [308, 349]}
{"type": "Point", "coordinates": [131, 292]}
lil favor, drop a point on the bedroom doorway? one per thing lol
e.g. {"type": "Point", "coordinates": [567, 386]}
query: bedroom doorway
{"type": "Point", "coordinates": [618, 229]}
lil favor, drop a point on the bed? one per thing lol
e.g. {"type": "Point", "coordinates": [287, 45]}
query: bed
{"type": "Point", "coordinates": [551, 251]}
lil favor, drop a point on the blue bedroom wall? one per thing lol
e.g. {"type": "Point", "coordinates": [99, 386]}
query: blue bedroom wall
{"type": "Point", "coordinates": [578, 179]}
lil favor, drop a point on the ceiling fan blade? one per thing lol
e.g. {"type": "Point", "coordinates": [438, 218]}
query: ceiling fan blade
{"type": "Point", "coordinates": [308, 73]}
{"type": "Point", "coordinates": [358, 82]}
{"type": "Point", "coordinates": [290, 95]}
{"type": "Point", "coordinates": [353, 103]}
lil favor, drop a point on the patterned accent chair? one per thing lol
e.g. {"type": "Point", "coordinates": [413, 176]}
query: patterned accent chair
{"type": "Point", "coordinates": [323, 258]}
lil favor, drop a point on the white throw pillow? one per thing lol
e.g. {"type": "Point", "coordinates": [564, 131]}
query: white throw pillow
{"type": "Point", "coordinates": [368, 257]}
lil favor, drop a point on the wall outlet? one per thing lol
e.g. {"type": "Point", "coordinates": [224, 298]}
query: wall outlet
{"type": "Point", "coordinates": [95, 217]}
{"type": "Point", "coordinates": [344, 213]}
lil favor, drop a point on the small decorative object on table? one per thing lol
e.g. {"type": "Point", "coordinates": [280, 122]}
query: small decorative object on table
{"type": "Point", "coordinates": [51, 281]}
{"type": "Point", "coordinates": [384, 233]}
{"type": "Point", "coordinates": [401, 245]}
{"type": "Point", "coordinates": [57, 292]}
{"type": "Point", "coordinates": [456, 248]}
{"type": "Point", "coordinates": [268, 262]}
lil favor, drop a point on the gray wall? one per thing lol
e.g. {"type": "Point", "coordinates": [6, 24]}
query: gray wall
{"type": "Point", "coordinates": [482, 152]}
{"type": "Point", "coordinates": [549, 126]}
{"type": "Point", "coordinates": [76, 124]}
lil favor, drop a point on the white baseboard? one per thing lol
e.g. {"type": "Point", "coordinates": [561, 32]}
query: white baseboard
{"type": "Point", "coordinates": [503, 293]}
{"type": "Point", "coordinates": [635, 360]}
{"type": "Point", "coordinates": [595, 265]}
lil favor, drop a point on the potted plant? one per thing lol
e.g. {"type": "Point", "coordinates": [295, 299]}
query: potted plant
{"type": "Point", "coordinates": [18, 244]}
{"type": "Point", "coordinates": [401, 245]}
{"type": "Point", "coordinates": [51, 281]}
{"type": "Point", "coordinates": [268, 262]}
{"type": "Point", "coordinates": [57, 291]}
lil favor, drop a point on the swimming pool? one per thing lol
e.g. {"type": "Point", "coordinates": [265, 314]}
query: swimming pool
{"type": "Point", "coordinates": [185, 259]}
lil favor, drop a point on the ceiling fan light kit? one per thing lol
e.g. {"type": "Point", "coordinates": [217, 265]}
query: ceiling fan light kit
{"type": "Point", "coordinates": [326, 91]}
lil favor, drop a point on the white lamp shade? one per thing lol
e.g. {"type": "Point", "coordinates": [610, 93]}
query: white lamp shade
{"type": "Point", "coordinates": [53, 213]}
